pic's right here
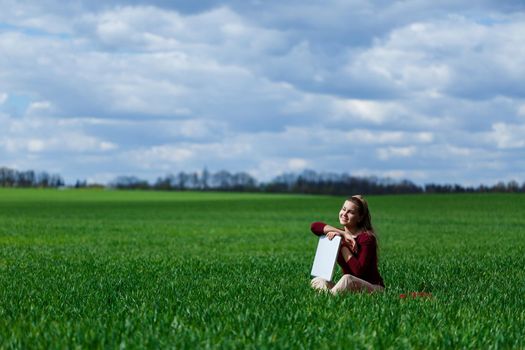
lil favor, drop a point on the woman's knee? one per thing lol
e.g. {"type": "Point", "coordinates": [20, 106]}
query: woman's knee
{"type": "Point", "coordinates": [344, 284]}
{"type": "Point", "coordinates": [350, 283]}
{"type": "Point", "coordinates": [358, 284]}
{"type": "Point", "coordinates": [318, 282]}
{"type": "Point", "coordinates": [348, 278]}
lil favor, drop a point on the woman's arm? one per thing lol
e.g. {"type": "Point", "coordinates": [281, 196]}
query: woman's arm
{"type": "Point", "coordinates": [338, 232]}
{"type": "Point", "coordinates": [367, 257]}
{"type": "Point", "coordinates": [320, 228]}
{"type": "Point", "coordinates": [317, 228]}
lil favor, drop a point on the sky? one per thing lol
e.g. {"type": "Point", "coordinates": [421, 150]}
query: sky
{"type": "Point", "coordinates": [430, 91]}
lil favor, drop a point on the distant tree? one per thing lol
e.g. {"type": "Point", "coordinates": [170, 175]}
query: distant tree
{"type": "Point", "coordinates": [43, 179]}
{"type": "Point", "coordinates": [129, 182]}
{"type": "Point", "coordinates": [55, 181]}
{"type": "Point", "coordinates": [205, 179]}
{"type": "Point", "coordinates": [26, 178]}
{"type": "Point", "coordinates": [182, 180]}
{"type": "Point", "coordinates": [513, 186]}
{"type": "Point", "coordinates": [193, 180]}
{"type": "Point", "coordinates": [165, 183]}
{"type": "Point", "coordinates": [80, 184]}
{"type": "Point", "coordinates": [499, 187]}
{"type": "Point", "coordinates": [243, 182]}
{"type": "Point", "coordinates": [308, 181]}
{"type": "Point", "coordinates": [222, 180]}
{"type": "Point", "coordinates": [7, 177]}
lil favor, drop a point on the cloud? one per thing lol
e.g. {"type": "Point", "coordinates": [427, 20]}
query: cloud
{"type": "Point", "coordinates": [393, 152]}
{"type": "Point", "coordinates": [420, 89]}
{"type": "Point", "coordinates": [38, 135]}
{"type": "Point", "coordinates": [508, 136]}
{"type": "Point", "coordinates": [430, 57]}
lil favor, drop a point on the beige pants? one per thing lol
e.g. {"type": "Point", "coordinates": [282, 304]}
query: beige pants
{"type": "Point", "coordinates": [347, 283]}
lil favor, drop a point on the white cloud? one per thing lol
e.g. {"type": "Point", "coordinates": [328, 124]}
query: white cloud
{"type": "Point", "coordinates": [296, 164]}
{"type": "Point", "coordinates": [161, 154]}
{"type": "Point", "coordinates": [521, 110]}
{"type": "Point", "coordinates": [267, 169]}
{"type": "Point", "coordinates": [64, 143]}
{"type": "Point", "coordinates": [389, 137]}
{"type": "Point", "coordinates": [508, 136]}
{"type": "Point", "coordinates": [393, 152]}
{"type": "Point", "coordinates": [112, 88]}
{"type": "Point", "coordinates": [173, 156]}
{"type": "Point", "coordinates": [35, 145]}
{"type": "Point", "coordinates": [40, 108]}
{"type": "Point", "coordinates": [375, 112]}
{"type": "Point", "coordinates": [44, 135]}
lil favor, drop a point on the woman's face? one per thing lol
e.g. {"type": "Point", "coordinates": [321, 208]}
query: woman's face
{"type": "Point", "coordinates": [349, 215]}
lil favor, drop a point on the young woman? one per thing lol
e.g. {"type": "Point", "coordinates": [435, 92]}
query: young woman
{"type": "Point", "coordinates": [358, 252]}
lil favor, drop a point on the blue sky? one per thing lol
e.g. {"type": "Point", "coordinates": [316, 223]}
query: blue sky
{"type": "Point", "coordinates": [430, 91]}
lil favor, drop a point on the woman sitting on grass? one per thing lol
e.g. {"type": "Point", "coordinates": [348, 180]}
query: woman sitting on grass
{"type": "Point", "coordinates": [358, 252]}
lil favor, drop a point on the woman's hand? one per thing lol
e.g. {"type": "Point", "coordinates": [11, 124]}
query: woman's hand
{"type": "Point", "coordinates": [332, 234]}
{"type": "Point", "coordinates": [350, 242]}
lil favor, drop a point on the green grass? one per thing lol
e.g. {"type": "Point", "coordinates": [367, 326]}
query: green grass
{"type": "Point", "coordinates": [103, 269]}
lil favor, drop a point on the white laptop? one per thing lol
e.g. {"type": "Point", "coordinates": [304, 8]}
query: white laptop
{"type": "Point", "coordinates": [325, 257]}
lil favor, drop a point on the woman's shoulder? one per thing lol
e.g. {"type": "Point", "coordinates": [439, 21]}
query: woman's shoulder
{"type": "Point", "coordinates": [366, 237]}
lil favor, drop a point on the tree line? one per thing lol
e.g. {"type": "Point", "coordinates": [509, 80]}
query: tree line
{"type": "Point", "coordinates": [307, 182]}
{"type": "Point", "coordinates": [30, 178]}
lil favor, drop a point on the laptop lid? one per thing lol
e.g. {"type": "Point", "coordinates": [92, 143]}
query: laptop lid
{"type": "Point", "coordinates": [325, 257]}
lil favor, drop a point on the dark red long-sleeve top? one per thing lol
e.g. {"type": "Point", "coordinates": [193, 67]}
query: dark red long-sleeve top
{"type": "Point", "coordinates": [363, 264]}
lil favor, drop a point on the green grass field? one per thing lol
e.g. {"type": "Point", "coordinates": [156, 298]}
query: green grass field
{"type": "Point", "coordinates": [103, 269]}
